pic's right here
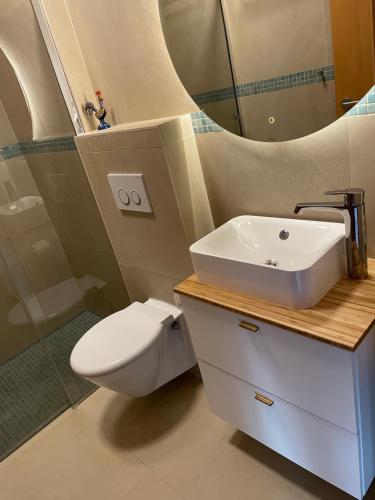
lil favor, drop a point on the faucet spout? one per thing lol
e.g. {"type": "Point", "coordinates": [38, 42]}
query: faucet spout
{"type": "Point", "coordinates": [317, 204]}
{"type": "Point", "coordinates": [353, 211]}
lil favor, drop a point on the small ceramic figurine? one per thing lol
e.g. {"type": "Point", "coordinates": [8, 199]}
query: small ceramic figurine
{"type": "Point", "coordinates": [100, 113]}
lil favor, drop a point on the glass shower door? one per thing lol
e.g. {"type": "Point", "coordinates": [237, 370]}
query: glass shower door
{"type": "Point", "coordinates": [36, 381]}
{"type": "Point", "coordinates": [31, 393]}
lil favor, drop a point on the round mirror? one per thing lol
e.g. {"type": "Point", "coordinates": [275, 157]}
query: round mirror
{"type": "Point", "coordinates": [272, 70]}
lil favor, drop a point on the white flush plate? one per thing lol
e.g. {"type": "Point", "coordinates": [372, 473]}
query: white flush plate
{"type": "Point", "coordinates": [130, 192]}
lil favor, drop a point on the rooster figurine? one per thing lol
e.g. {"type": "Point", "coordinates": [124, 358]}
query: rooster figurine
{"type": "Point", "coordinates": [100, 113]}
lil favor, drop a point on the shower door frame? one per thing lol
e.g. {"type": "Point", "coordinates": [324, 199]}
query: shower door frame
{"type": "Point", "coordinates": [45, 29]}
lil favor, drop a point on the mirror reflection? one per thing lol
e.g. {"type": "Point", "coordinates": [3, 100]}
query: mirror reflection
{"type": "Point", "coordinates": [272, 70]}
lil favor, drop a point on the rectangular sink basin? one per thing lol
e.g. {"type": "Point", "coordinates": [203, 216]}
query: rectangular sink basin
{"type": "Point", "coordinates": [289, 262]}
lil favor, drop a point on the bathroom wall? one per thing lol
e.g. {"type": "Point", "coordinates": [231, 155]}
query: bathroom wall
{"type": "Point", "coordinates": [242, 176]}
{"type": "Point", "coordinates": [69, 200]}
{"type": "Point", "coordinates": [195, 36]}
{"type": "Point", "coordinates": [53, 243]}
{"type": "Point", "coordinates": [125, 56]}
{"type": "Point", "coordinates": [21, 43]}
{"type": "Point", "coordinates": [293, 43]}
{"type": "Point", "coordinates": [280, 38]}
{"type": "Point", "coordinates": [152, 248]}
{"type": "Point", "coordinates": [31, 257]}
{"type": "Point", "coordinates": [13, 336]}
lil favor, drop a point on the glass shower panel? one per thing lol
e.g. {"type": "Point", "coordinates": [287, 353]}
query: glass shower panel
{"type": "Point", "coordinates": [58, 272]}
{"type": "Point", "coordinates": [49, 293]}
{"type": "Point", "coordinates": [31, 393]}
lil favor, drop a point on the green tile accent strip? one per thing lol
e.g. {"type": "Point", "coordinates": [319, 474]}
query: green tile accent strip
{"type": "Point", "coordinates": [202, 124]}
{"type": "Point", "coordinates": [214, 96]}
{"type": "Point", "coordinates": [50, 145]}
{"type": "Point", "coordinates": [31, 392]}
{"type": "Point", "coordinates": [366, 106]}
{"type": "Point", "coordinates": [302, 78]}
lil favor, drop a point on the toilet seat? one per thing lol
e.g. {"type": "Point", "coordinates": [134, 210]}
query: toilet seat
{"type": "Point", "coordinates": [119, 339]}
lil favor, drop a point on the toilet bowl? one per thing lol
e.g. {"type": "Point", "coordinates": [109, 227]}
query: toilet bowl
{"type": "Point", "coordinates": [136, 350]}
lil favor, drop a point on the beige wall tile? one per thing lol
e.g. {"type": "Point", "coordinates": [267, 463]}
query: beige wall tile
{"type": "Point", "coordinates": [7, 6]}
{"type": "Point", "coordinates": [154, 242]}
{"type": "Point", "coordinates": [13, 98]}
{"type": "Point", "coordinates": [13, 337]}
{"type": "Point", "coordinates": [70, 52]}
{"type": "Point", "coordinates": [298, 112]}
{"type": "Point", "coordinates": [21, 176]}
{"type": "Point", "coordinates": [143, 285]}
{"type": "Point", "coordinates": [22, 43]}
{"type": "Point", "coordinates": [6, 132]}
{"type": "Point", "coordinates": [224, 113]}
{"type": "Point", "coordinates": [175, 129]}
{"type": "Point", "coordinates": [269, 178]}
{"type": "Point", "coordinates": [190, 190]}
{"type": "Point", "coordinates": [158, 94]}
{"type": "Point", "coordinates": [362, 153]}
{"type": "Point", "coordinates": [276, 37]}
{"type": "Point", "coordinates": [241, 176]}
{"type": "Point", "coordinates": [80, 228]}
{"type": "Point", "coordinates": [195, 37]}
{"type": "Point", "coordinates": [147, 135]}
{"type": "Point", "coordinates": [7, 186]}
{"type": "Point", "coordinates": [40, 252]}
{"type": "Point", "coordinates": [99, 278]}
{"type": "Point", "coordinates": [328, 30]}
{"type": "Point", "coordinates": [25, 221]}
{"type": "Point", "coordinates": [3, 234]}
{"type": "Point", "coordinates": [69, 199]}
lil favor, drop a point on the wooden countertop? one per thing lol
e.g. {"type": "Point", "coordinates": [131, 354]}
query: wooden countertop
{"type": "Point", "coordinates": [342, 318]}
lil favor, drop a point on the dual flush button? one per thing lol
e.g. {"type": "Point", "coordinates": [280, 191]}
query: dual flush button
{"type": "Point", "coordinates": [126, 198]}
{"type": "Point", "coordinates": [130, 192]}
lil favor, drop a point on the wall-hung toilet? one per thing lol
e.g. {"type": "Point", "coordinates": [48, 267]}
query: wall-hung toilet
{"type": "Point", "coordinates": [136, 350]}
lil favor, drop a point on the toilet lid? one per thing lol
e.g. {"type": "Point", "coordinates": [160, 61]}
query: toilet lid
{"type": "Point", "coordinates": [118, 339]}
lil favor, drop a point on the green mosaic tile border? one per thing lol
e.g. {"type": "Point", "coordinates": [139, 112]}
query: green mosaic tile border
{"type": "Point", "coordinates": [299, 79]}
{"type": "Point", "coordinates": [214, 96]}
{"type": "Point", "coordinates": [366, 106]}
{"type": "Point", "coordinates": [50, 145]}
{"type": "Point", "coordinates": [202, 124]}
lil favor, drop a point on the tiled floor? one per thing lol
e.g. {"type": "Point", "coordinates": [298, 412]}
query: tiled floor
{"type": "Point", "coordinates": [31, 383]}
{"type": "Point", "coordinates": [168, 446]}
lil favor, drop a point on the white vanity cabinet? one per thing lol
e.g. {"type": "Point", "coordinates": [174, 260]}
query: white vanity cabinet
{"type": "Point", "coordinates": [310, 401]}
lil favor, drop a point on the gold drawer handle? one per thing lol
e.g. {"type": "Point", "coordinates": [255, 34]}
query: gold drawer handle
{"type": "Point", "coordinates": [249, 326]}
{"type": "Point", "coordinates": [263, 399]}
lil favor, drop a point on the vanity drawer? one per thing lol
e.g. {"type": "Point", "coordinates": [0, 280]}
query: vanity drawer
{"type": "Point", "coordinates": [310, 374]}
{"type": "Point", "coordinates": [324, 449]}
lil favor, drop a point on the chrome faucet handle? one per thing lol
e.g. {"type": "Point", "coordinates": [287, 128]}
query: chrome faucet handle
{"type": "Point", "coordinates": [353, 197]}
{"type": "Point", "coordinates": [353, 210]}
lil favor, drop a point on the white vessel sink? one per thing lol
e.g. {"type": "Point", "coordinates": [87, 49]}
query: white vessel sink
{"type": "Point", "coordinates": [247, 255]}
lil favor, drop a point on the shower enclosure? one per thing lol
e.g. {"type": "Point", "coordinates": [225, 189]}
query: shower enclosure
{"type": "Point", "coordinates": [58, 273]}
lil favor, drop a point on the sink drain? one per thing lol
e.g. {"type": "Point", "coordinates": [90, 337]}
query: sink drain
{"type": "Point", "coordinates": [284, 234]}
{"type": "Point", "coordinates": [271, 262]}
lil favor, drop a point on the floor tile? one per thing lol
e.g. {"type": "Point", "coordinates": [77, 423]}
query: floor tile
{"type": "Point", "coordinates": [151, 487]}
{"type": "Point", "coordinates": [168, 446]}
{"type": "Point", "coordinates": [69, 463]}
{"type": "Point", "coordinates": [31, 389]}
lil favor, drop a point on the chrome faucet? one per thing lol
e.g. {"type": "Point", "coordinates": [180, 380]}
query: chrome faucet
{"type": "Point", "coordinates": [353, 211]}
